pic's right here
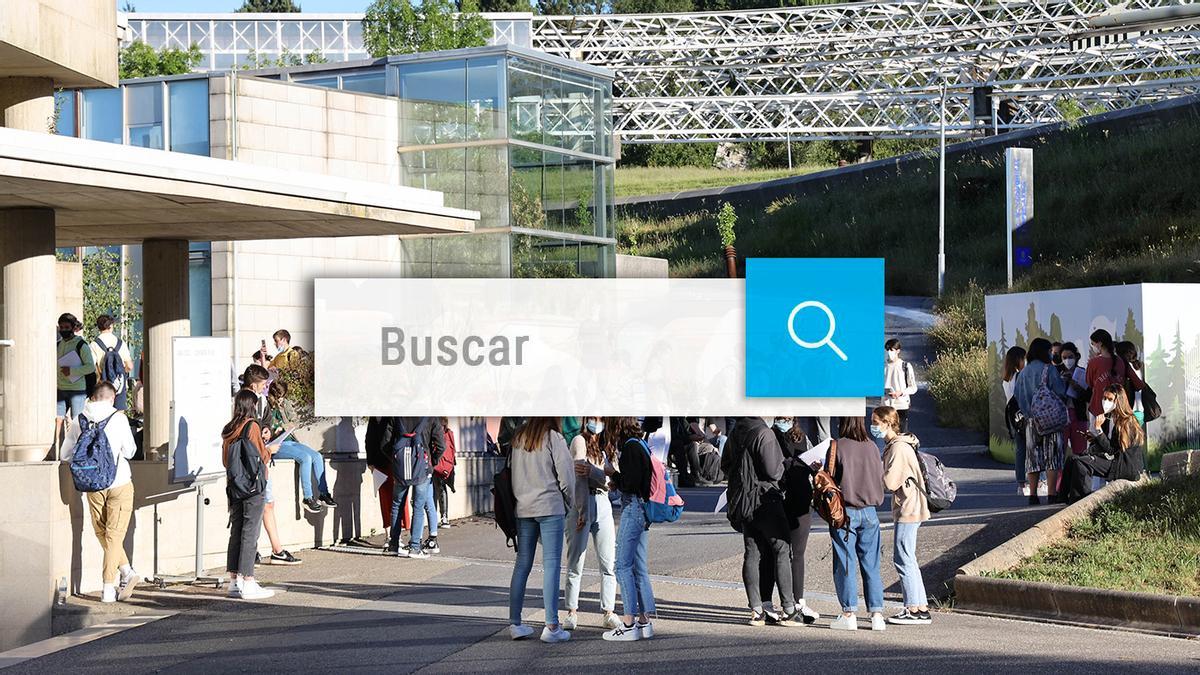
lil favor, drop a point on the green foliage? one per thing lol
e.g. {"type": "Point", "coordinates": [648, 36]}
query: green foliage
{"type": "Point", "coordinates": [138, 59]}
{"type": "Point", "coordinates": [505, 6]}
{"type": "Point", "coordinates": [726, 222]}
{"type": "Point", "coordinates": [583, 212]}
{"type": "Point", "coordinates": [563, 7]}
{"type": "Point", "coordinates": [534, 260]}
{"type": "Point", "coordinates": [526, 205]}
{"type": "Point", "coordinates": [268, 6]}
{"type": "Point", "coordinates": [102, 294]}
{"type": "Point", "coordinates": [956, 331]}
{"type": "Point", "coordinates": [1146, 539]}
{"type": "Point", "coordinates": [397, 27]}
{"type": "Point", "coordinates": [650, 6]}
{"type": "Point", "coordinates": [669, 154]}
{"type": "Point", "coordinates": [645, 180]}
{"type": "Point", "coordinates": [298, 376]}
{"type": "Point", "coordinates": [958, 383]}
{"type": "Point", "coordinates": [286, 59]}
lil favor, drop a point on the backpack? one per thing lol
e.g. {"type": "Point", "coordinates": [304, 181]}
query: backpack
{"type": "Point", "coordinates": [504, 508]}
{"type": "Point", "coordinates": [1014, 419]}
{"type": "Point", "coordinates": [1151, 410]}
{"type": "Point", "coordinates": [93, 467]}
{"type": "Point", "coordinates": [665, 505]}
{"type": "Point", "coordinates": [89, 380]}
{"type": "Point", "coordinates": [445, 464]}
{"type": "Point", "coordinates": [939, 490]}
{"type": "Point", "coordinates": [245, 476]}
{"type": "Point", "coordinates": [111, 368]}
{"type": "Point", "coordinates": [410, 457]}
{"type": "Point", "coordinates": [1047, 411]}
{"type": "Point", "coordinates": [827, 496]}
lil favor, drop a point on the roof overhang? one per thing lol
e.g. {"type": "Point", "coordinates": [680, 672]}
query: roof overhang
{"type": "Point", "coordinates": [104, 194]}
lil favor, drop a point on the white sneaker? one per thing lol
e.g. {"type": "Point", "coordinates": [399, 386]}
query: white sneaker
{"type": "Point", "coordinates": [128, 583]}
{"type": "Point", "coordinates": [109, 594]}
{"type": "Point", "coordinates": [878, 622]}
{"type": "Point", "coordinates": [252, 591]}
{"type": "Point", "coordinates": [235, 589]}
{"type": "Point", "coordinates": [520, 632]}
{"type": "Point", "coordinates": [623, 633]}
{"type": "Point", "coordinates": [611, 621]}
{"type": "Point", "coordinates": [571, 622]}
{"type": "Point", "coordinates": [552, 636]}
{"type": "Point", "coordinates": [417, 555]}
{"type": "Point", "coordinates": [810, 615]}
{"type": "Point", "coordinates": [843, 622]}
{"type": "Point", "coordinates": [646, 630]}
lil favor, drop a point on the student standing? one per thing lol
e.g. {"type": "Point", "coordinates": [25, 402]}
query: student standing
{"type": "Point", "coordinates": [902, 476]}
{"type": "Point", "coordinates": [591, 516]}
{"type": "Point", "coordinates": [412, 474]}
{"type": "Point", "coordinates": [1105, 368]}
{"type": "Point", "coordinates": [1043, 452]}
{"type": "Point", "coordinates": [858, 471]}
{"type": "Point", "coordinates": [1014, 362]}
{"type": "Point", "coordinates": [444, 485]}
{"type": "Point", "coordinates": [113, 362]}
{"type": "Point", "coordinates": [1119, 448]}
{"type": "Point", "coordinates": [899, 382]}
{"type": "Point", "coordinates": [309, 461]}
{"type": "Point", "coordinates": [1127, 352]}
{"type": "Point", "coordinates": [1075, 378]}
{"type": "Point", "coordinates": [753, 464]}
{"type": "Point", "coordinates": [632, 479]}
{"type": "Point", "coordinates": [111, 507]}
{"type": "Point", "coordinates": [543, 482]}
{"type": "Point", "coordinates": [797, 504]}
{"type": "Point", "coordinates": [286, 354]}
{"type": "Point", "coordinates": [72, 379]}
{"type": "Point", "coordinates": [256, 379]}
{"type": "Point", "coordinates": [245, 514]}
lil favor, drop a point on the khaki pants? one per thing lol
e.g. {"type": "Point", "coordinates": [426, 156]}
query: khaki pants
{"type": "Point", "coordinates": [111, 509]}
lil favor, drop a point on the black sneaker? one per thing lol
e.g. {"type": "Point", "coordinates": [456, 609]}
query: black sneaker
{"type": "Point", "coordinates": [925, 616]}
{"type": "Point", "coordinates": [431, 546]}
{"type": "Point", "coordinates": [328, 499]}
{"type": "Point", "coordinates": [312, 505]}
{"type": "Point", "coordinates": [758, 618]}
{"type": "Point", "coordinates": [284, 558]}
{"type": "Point", "coordinates": [393, 552]}
{"type": "Point", "coordinates": [793, 618]}
{"type": "Point", "coordinates": [1034, 500]}
{"type": "Point", "coordinates": [907, 618]}
{"type": "Point", "coordinates": [771, 617]}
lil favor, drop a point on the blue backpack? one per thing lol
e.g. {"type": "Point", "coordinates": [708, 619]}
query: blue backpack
{"type": "Point", "coordinates": [664, 504]}
{"type": "Point", "coordinates": [112, 367]}
{"type": "Point", "coordinates": [93, 466]}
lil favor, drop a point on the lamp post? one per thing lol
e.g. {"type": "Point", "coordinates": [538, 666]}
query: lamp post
{"type": "Point", "coordinates": [941, 277]}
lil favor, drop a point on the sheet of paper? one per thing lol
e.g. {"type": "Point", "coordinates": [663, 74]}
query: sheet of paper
{"type": "Point", "coordinates": [722, 501]}
{"type": "Point", "coordinates": [816, 454]}
{"type": "Point", "coordinates": [378, 478]}
{"type": "Point", "coordinates": [70, 360]}
{"type": "Point", "coordinates": [278, 440]}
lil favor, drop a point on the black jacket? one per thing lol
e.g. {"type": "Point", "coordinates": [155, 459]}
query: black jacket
{"type": "Point", "coordinates": [797, 476]}
{"type": "Point", "coordinates": [633, 470]}
{"type": "Point", "coordinates": [753, 465]}
{"type": "Point", "coordinates": [1128, 463]}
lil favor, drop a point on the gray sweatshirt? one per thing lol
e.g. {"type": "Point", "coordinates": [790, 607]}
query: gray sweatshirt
{"type": "Point", "coordinates": [540, 492]}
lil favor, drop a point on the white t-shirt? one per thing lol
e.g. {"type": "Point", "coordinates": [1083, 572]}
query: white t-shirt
{"type": "Point", "coordinates": [120, 438]}
{"type": "Point", "coordinates": [110, 341]}
{"type": "Point", "coordinates": [1009, 387]}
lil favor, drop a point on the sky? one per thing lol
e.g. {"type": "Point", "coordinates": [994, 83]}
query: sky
{"type": "Point", "coordinates": [231, 5]}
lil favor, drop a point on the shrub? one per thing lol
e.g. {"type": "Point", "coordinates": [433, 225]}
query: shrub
{"type": "Point", "coordinates": [956, 331]}
{"type": "Point", "coordinates": [958, 382]}
{"type": "Point", "coordinates": [726, 221]}
{"type": "Point", "coordinates": [298, 376]}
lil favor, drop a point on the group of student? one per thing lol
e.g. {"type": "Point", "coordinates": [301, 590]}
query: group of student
{"type": "Point", "coordinates": [1054, 403]}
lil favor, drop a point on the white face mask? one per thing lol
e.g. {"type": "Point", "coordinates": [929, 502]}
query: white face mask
{"type": "Point", "coordinates": [1070, 363]}
{"type": "Point", "coordinates": [893, 355]}
{"type": "Point", "coordinates": [1108, 406]}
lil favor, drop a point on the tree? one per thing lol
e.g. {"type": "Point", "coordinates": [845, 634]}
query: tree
{"type": "Point", "coordinates": [396, 27]}
{"type": "Point", "coordinates": [1132, 334]}
{"type": "Point", "coordinates": [269, 6]}
{"type": "Point", "coordinates": [139, 59]}
{"type": "Point", "coordinates": [565, 7]}
{"type": "Point", "coordinates": [1056, 331]}
{"type": "Point", "coordinates": [650, 6]}
{"type": "Point", "coordinates": [102, 294]}
{"type": "Point", "coordinates": [505, 6]}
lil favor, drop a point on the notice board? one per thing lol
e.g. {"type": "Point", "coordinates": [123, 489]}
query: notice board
{"type": "Point", "coordinates": [200, 406]}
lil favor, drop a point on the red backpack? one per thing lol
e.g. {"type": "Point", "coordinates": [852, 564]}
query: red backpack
{"type": "Point", "coordinates": [445, 465]}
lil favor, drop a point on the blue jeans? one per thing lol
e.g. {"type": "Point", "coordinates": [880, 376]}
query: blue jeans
{"type": "Point", "coordinates": [71, 401]}
{"type": "Point", "coordinates": [859, 552]}
{"type": "Point", "coordinates": [399, 496]}
{"type": "Point", "coordinates": [309, 461]}
{"type": "Point", "coordinates": [1019, 452]}
{"type": "Point", "coordinates": [424, 508]}
{"type": "Point", "coordinates": [905, 558]}
{"type": "Point", "coordinates": [548, 529]}
{"type": "Point", "coordinates": [600, 528]}
{"type": "Point", "coordinates": [632, 571]}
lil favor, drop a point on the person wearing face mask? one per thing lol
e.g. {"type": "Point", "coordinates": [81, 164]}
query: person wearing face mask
{"type": "Point", "coordinates": [591, 515]}
{"type": "Point", "coordinates": [1014, 362]}
{"type": "Point", "coordinates": [1128, 352]}
{"type": "Point", "coordinates": [797, 504]}
{"type": "Point", "coordinates": [903, 477]}
{"type": "Point", "coordinates": [899, 382]}
{"type": "Point", "coordinates": [1105, 368]}
{"type": "Point", "coordinates": [72, 383]}
{"type": "Point", "coordinates": [1075, 377]}
{"type": "Point", "coordinates": [1043, 451]}
{"type": "Point", "coordinates": [1117, 451]}
{"type": "Point", "coordinates": [1056, 355]}
{"type": "Point", "coordinates": [858, 472]}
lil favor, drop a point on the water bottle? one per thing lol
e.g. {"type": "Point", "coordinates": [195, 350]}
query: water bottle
{"type": "Point", "coordinates": [62, 591]}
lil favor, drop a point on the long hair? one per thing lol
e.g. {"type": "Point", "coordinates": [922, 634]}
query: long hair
{"type": "Point", "coordinates": [1128, 351]}
{"type": "Point", "coordinates": [1106, 341]}
{"type": "Point", "coordinates": [625, 428]}
{"type": "Point", "coordinates": [1125, 426]}
{"type": "Point", "coordinates": [1039, 350]}
{"type": "Point", "coordinates": [853, 428]}
{"type": "Point", "coordinates": [598, 449]}
{"type": "Point", "coordinates": [796, 433]}
{"type": "Point", "coordinates": [277, 392]}
{"type": "Point", "coordinates": [887, 416]}
{"type": "Point", "coordinates": [245, 407]}
{"type": "Point", "coordinates": [1014, 361]}
{"type": "Point", "coordinates": [531, 436]}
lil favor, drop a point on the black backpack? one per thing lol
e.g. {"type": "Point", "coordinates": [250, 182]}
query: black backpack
{"type": "Point", "coordinates": [504, 508]}
{"type": "Point", "coordinates": [409, 452]}
{"type": "Point", "coordinates": [89, 380]}
{"type": "Point", "coordinates": [245, 474]}
{"type": "Point", "coordinates": [111, 368]}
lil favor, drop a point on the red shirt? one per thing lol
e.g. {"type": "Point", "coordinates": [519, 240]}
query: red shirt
{"type": "Point", "coordinates": [1102, 372]}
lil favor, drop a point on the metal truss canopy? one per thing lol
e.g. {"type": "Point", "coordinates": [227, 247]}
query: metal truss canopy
{"type": "Point", "coordinates": [872, 69]}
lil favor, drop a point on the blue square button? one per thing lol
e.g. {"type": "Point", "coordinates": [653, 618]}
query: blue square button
{"type": "Point", "coordinates": [814, 327]}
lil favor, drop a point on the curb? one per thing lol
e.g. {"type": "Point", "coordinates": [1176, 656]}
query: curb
{"type": "Point", "coordinates": [1178, 616]}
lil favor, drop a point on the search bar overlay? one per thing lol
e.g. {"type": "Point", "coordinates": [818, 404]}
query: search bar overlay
{"type": "Point", "coordinates": [814, 327]}
{"type": "Point", "coordinates": [492, 347]}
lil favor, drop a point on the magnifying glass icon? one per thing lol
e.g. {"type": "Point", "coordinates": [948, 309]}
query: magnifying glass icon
{"type": "Point", "coordinates": [826, 341]}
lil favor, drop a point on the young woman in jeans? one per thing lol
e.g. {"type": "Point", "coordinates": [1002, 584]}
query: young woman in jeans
{"type": "Point", "coordinates": [910, 507]}
{"type": "Point", "coordinates": [632, 479]}
{"type": "Point", "coordinates": [543, 482]}
{"type": "Point", "coordinates": [310, 462]}
{"type": "Point", "coordinates": [1014, 362]}
{"type": "Point", "coordinates": [592, 516]}
{"type": "Point", "coordinates": [859, 474]}
{"type": "Point", "coordinates": [245, 515]}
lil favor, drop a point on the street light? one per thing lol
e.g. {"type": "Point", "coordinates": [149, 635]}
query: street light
{"type": "Point", "coordinates": [941, 281]}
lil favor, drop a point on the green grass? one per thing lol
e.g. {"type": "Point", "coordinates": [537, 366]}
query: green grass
{"type": "Point", "coordinates": [655, 180]}
{"type": "Point", "coordinates": [1146, 539]}
{"type": "Point", "coordinates": [1110, 208]}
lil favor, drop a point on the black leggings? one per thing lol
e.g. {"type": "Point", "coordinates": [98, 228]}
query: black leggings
{"type": "Point", "coordinates": [768, 556]}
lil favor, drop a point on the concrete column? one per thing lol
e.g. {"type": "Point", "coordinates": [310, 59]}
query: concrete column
{"type": "Point", "coordinates": [27, 103]}
{"type": "Point", "coordinates": [27, 316]}
{"type": "Point", "coordinates": [165, 309]}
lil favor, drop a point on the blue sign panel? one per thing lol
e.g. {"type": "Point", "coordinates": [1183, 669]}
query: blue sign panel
{"type": "Point", "coordinates": [1023, 256]}
{"type": "Point", "coordinates": [814, 327]}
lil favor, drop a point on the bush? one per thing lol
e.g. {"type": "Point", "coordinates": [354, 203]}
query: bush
{"type": "Point", "coordinates": [298, 376]}
{"type": "Point", "coordinates": [669, 154]}
{"type": "Point", "coordinates": [958, 382]}
{"type": "Point", "coordinates": [956, 331]}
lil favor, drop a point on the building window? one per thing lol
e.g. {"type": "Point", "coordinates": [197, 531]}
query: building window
{"type": "Point", "coordinates": [189, 116]}
{"type": "Point", "coordinates": [433, 102]}
{"type": "Point", "coordinates": [102, 114]}
{"type": "Point", "coordinates": [64, 106]}
{"type": "Point", "coordinates": [144, 104]}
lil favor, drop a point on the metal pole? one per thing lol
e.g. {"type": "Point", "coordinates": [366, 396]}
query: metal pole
{"type": "Point", "coordinates": [941, 279]}
{"type": "Point", "coordinates": [995, 115]}
{"type": "Point", "coordinates": [789, 144]}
